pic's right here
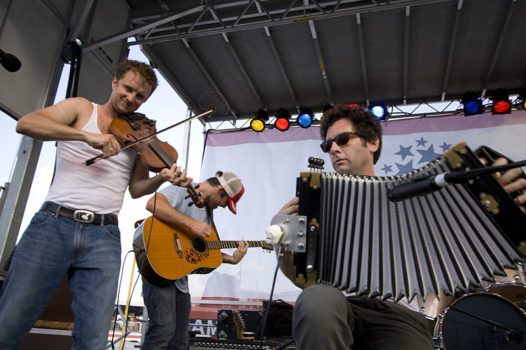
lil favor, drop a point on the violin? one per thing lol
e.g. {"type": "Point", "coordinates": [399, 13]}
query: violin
{"type": "Point", "coordinates": [120, 130]}
{"type": "Point", "coordinates": [197, 198]}
{"type": "Point", "coordinates": [137, 131]}
{"type": "Point", "coordinates": [154, 154]}
{"type": "Point", "coordinates": [131, 129]}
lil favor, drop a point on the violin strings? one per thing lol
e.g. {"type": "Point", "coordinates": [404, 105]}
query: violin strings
{"type": "Point", "coordinates": [160, 152]}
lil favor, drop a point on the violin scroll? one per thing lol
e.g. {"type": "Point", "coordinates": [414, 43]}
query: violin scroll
{"type": "Point", "coordinates": [197, 197]}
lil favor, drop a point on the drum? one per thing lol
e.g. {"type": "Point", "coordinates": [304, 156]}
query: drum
{"type": "Point", "coordinates": [515, 292]}
{"type": "Point", "coordinates": [481, 321]}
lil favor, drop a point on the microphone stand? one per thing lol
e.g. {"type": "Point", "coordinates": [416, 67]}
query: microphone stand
{"type": "Point", "coordinates": [472, 174]}
{"type": "Point", "coordinates": [513, 333]}
{"type": "Point", "coordinates": [426, 184]}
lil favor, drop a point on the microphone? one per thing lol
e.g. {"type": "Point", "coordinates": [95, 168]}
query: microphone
{"type": "Point", "coordinates": [9, 61]}
{"type": "Point", "coordinates": [426, 184]}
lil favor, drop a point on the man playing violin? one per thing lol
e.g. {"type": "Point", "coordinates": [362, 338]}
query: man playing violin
{"type": "Point", "coordinates": [169, 306]}
{"type": "Point", "coordinates": [76, 230]}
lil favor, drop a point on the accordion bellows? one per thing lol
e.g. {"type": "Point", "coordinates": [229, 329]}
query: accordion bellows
{"type": "Point", "coordinates": [447, 240]}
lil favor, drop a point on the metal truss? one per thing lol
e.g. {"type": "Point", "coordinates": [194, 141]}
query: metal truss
{"type": "Point", "coordinates": [395, 112]}
{"type": "Point", "coordinates": [210, 19]}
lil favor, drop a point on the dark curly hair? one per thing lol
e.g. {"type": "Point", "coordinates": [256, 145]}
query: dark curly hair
{"type": "Point", "coordinates": [363, 121]}
{"type": "Point", "coordinates": [143, 69]}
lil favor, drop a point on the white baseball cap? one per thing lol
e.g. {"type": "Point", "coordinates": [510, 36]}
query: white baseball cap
{"type": "Point", "coordinates": [233, 188]}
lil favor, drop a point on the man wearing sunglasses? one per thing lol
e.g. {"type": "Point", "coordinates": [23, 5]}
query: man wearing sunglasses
{"type": "Point", "coordinates": [323, 317]}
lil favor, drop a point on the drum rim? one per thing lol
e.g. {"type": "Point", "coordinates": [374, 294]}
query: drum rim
{"type": "Point", "coordinates": [504, 283]}
{"type": "Point", "coordinates": [438, 338]}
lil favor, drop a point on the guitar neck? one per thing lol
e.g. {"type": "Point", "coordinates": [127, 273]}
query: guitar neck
{"type": "Point", "coordinates": [233, 244]}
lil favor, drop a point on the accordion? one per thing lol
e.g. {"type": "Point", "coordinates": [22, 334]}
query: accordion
{"type": "Point", "coordinates": [350, 235]}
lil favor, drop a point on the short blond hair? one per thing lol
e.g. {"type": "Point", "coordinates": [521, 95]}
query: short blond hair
{"type": "Point", "coordinates": [143, 69]}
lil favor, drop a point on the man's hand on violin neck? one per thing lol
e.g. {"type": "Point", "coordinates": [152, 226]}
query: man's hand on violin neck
{"type": "Point", "coordinates": [176, 176]}
{"type": "Point", "coordinates": [107, 143]}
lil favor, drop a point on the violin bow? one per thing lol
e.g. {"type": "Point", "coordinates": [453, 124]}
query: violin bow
{"type": "Point", "coordinates": [94, 159]}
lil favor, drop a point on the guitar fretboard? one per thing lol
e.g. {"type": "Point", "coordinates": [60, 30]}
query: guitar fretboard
{"type": "Point", "coordinates": [233, 244]}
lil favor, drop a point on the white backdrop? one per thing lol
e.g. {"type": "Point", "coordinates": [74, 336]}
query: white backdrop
{"type": "Point", "coordinates": [269, 163]}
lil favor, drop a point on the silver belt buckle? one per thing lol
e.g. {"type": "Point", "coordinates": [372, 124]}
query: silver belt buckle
{"type": "Point", "coordinates": [84, 216]}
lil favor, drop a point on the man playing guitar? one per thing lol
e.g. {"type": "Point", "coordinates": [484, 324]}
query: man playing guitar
{"type": "Point", "coordinates": [169, 305]}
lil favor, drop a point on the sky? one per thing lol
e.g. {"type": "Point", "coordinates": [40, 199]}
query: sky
{"type": "Point", "coordinates": [165, 106]}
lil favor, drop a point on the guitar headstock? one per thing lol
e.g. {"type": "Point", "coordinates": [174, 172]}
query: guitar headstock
{"type": "Point", "coordinates": [267, 246]}
{"type": "Point", "coordinates": [240, 324]}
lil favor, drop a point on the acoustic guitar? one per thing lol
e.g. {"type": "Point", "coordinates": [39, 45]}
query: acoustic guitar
{"type": "Point", "coordinates": [170, 252]}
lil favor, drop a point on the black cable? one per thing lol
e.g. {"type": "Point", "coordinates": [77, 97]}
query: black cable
{"type": "Point", "coordinates": [265, 316]}
{"type": "Point", "coordinates": [283, 346]}
{"type": "Point", "coordinates": [125, 322]}
{"type": "Point", "coordinates": [140, 270]}
{"type": "Point", "coordinates": [118, 293]}
{"type": "Point", "coordinates": [147, 245]}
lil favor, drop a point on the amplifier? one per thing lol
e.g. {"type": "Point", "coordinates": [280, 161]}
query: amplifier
{"type": "Point", "coordinates": [230, 322]}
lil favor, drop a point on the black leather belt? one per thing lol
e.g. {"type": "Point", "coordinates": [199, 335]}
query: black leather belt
{"type": "Point", "coordinates": [81, 215]}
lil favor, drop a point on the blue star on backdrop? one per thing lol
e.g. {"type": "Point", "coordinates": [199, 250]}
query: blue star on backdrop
{"type": "Point", "coordinates": [426, 155]}
{"type": "Point", "coordinates": [405, 152]}
{"type": "Point", "coordinates": [387, 168]}
{"type": "Point", "coordinates": [445, 146]}
{"type": "Point", "coordinates": [421, 142]}
{"type": "Point", "coordinates": [405, 168]}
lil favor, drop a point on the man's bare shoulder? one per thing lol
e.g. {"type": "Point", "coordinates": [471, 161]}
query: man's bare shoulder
{"type": "Point", "coordinates": [75, 104]}
{"type": "Point", "coordinates": [75, 111]}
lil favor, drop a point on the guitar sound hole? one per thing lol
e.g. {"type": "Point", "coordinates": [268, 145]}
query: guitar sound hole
{"type": "Point", "coordinates": [199, 245]}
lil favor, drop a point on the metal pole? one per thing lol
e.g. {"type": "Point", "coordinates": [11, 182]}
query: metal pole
{"type": "Point", "coordinates": [188, 129]}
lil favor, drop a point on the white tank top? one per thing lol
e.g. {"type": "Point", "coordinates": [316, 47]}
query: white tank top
{"type": "Point", "coordinates": [99, 187]}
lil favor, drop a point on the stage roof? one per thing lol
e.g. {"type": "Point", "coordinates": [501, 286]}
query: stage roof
{"type": "Point", "coordinates": [241, 56]}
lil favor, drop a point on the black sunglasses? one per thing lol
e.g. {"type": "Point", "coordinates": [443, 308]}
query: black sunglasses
{"type": "Point", "coordinates": [340, 139]}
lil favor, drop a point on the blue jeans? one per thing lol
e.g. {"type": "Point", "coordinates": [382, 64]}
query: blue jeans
{"type": "Point", "coordinates": [168, 312]}
{"type": "Point", "coordinates": [51, 247]}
